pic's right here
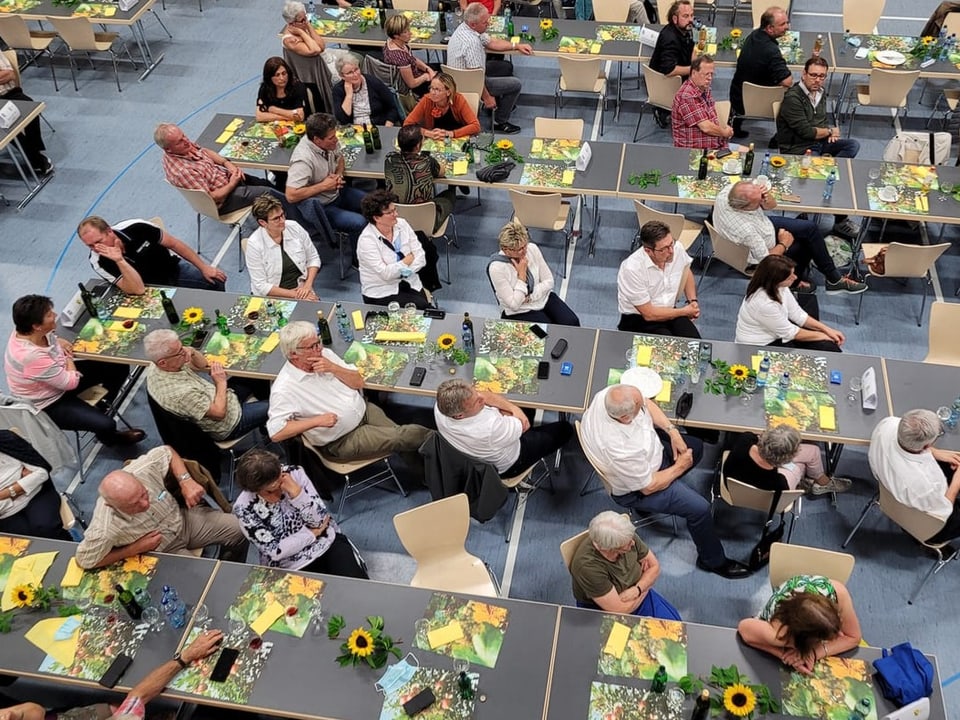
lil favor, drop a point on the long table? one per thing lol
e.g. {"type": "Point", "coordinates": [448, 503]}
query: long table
{"type": "Point", "coordinates": [923, 385]}
{"type": "Point", "coordinates": [29, 110]}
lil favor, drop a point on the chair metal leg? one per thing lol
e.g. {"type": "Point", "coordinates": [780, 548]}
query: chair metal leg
{"type": "Point", "coordinates": [586, 484]}
{"type": "Point", "coordinates": [938, 563]}
{"type": "Point", "coordinates": [856, 319]}
{"type": "Point", "coordinates": [923, 299]}
{"type": "Point", "coordinates": [636, 132]}
{"type": "Point", "coordinates": [875, 500]}
{"type": "Point", "coordinates": [198, 233]}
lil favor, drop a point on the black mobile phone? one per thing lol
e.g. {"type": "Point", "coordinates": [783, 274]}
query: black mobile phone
{"type": "Point", "coordinates": [543, 370]}
{"type": "Point", "coordinates": [421, 701]}
{"type": "Point", "coordinates": [116, 670]}
{"type": "Point", "coordinates": [434, 313]}
{"type": "Point", "coordinates": [198, 338]}
{"type": "Point", "coordinates": [538, 331]}
{"type": "Point", "coordinates": [559, 349]}
{"type": "Point", "coordinates": [722, 152]}
{"type": "Point", "coordinates": [221, 671]}
{"type": "Point", "coordinates": [419, 373]}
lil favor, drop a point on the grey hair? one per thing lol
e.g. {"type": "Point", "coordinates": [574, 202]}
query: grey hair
{"type": "Point", "coordinates": [156, 344]}
{"type": "Point", "coordinates": [292, 334]}
{"type": "Point", "coordinates": [736, 199]}
{"type": "Point", "coordinates": [610, 530]}
{"type": "Point", "coordinates": [619, 401]}
{"type": "Point", "coordinates": [779, 444]}
{"type": "Point", "coordinates": [161, 133]}
{"type": "Point", "coordinates": [291, 9]}
{"type": "Point", "coordinates": [474, 12]}
{"type": "Point", "coordinates": [452, 395]}
{"type": "Point", "coordinates": [347, 59]}
{"type": "Point", "coordinates": [918, 429]}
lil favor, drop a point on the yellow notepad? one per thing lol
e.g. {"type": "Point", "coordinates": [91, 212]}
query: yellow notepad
{"type": "Point", "coordinates": [267, 618]}
{"type": "Point", "coordinates": [755, 362]}
{"type": "Point", "coordinates": [73, 575]}
{"type": "Point", "coordinates": [644, 352]}
{"type": "Point", "coordinates": [711, 48]}
{"type": "Point", "coordinates": [568, 176]}
{"type": "Point", "coordinates": [117, 326]}
{"type": "Point", "coordinates": [828, 418]}
{"type": "Point", "coordinates": [617, 642]}
{"type": "Point", "coordinates": [604, 35]}
{"type": "Point", "coordinates": [536, 145]}
{"type": "Point", "coordinates": [664, 395]}
{"type": "Point", "coordinates": [515, 39]}
{"type": "Point", "coordinates": [595, 48]}
{"type": "Point", "coordinates": [270, 343]}
{"type": "Point", "coordinates": [127, 312]}
{"type": "Point", "coordinates": [235, 124]}
{"type": "Point", "coordinates": [255, 304]}
{"type": "Point", "coordinates": [357, 316]}
{"type": "Point", "coordinates": [223, 137]}
{"type": "Point", "coordinates": [445, 635]}
{"type": "Point", "coordinates": [460, 167]}
{"type": "Point", "coordinates": [396, 336]}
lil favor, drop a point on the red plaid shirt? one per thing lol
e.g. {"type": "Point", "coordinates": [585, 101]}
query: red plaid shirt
{"type": "Point", "coordinates": [691, 105]}
{"type": "Point", "coordinates": [194, 171]}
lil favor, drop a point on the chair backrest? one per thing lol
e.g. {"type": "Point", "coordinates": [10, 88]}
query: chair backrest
{"type": "Point", "coordinates": [758, 7]}
{"type": "Point", "coordinates": [415, 5]}
{"type": "Point", "coordinates": [558, 128]}
{"type": "Point", "coordinates": [568, 547]}
{"type": "Point", "coordinates": [77, 33]}
{"type": "Point", "coordinates": [611, 11]}
{"type": "Point", "coordinates": [594, 463]}
{"type": "Point", "coordinates": [15, 32]}
{"type": "Point", "coordinates": [580, 74]}
{"type": "Point", "coordinates": [758, 100]}
{"type": "Point", "coordinates": [913, 261]}
{"type": "Point", "coordinates": [435, 530]}
{"type": "Point", "coordinates": [944, 343]}
{"type": "Point", "coordinates": [789, 560]}
{"type": "Point", "coordinates": [645, 214]}
{"type": "Point", "coordinates": [921, 525]}
{"type": "Point", "coordinates": [736, 256]}
{"type": "Point", "coordinates": [67, 518]}
{"type": "Point", "coordinates": [663, 8]}
{"type": "Point", "coordinates": [660, 88]}
{"type": "Point", "coordinates": [889, 88]}
{"type": "Point", "coordinates": [186, 438]}
{"type": "Point", "coordinates": [860, 17]}
{"type": "Point", "coordinates": [466, 80]}
{"type": "Point", "coordinates": [776, 108]}
{"type": "Point", "coordinates": [387, 74]}
{"type": "Point", "coordinates": [537, 211]}
{"type": "Point", "coordinates": [11, 56]}
{"type": "Point", "coordinates": [742, 495]}
{"type": "Point", "coordinates": [473, 100]}
{"type": "Point", "coordinates": [723, 112]}
{"type": "Point", "coordinates": [421, 216]}
{"type": "Point", "coordinates": [951, 23]}
{"type": "Point", "coordinates": [200, 201]}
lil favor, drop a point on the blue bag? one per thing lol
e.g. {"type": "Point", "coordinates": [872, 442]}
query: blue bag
{"type": "Point", "coordinates": [904, 674]}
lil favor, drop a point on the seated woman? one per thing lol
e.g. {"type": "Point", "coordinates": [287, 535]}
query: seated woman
{"type": "Point", "coordinates": [613, 570]}
{"type": "Point", "coordinates": [770, 314]}
{"type": "Point", "coordinates": [281, 95]}
{"type": "Point", "coordinates": [777, 460]}
{"type": "Point", "coordinates": [809, 617]}
{"type": "Point", "coordinates": [415, 72]}
{"type": "Point", "coordinates": [522, 280]}
{"type": "Point", "coordinates": [390, 255]}
{"type": "Point", "coordinates": [29, 503]}
{"type": "Point", "coordinates": [40, 369]}
{"type": "Point", "coordinates": [280, 255]}
{"type": "Point", "coordinates": [444, 113]}
{"type": "Point", "coordinates": [409, 174]}
{"type": "Point", "coordinates": [282, 515]}
{"type": "Point", "coordinates": [360, 99]}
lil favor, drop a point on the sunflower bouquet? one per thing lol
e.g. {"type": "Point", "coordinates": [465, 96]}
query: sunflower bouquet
{"type": "Point", "coordinates": [502, 150]}
{"type": "Point", "coordinates": [447, 346]}
{"type": "Point", "coordinates": [371, 646]}
{"type": "Point", "coordinates": [735, 694]}
{"type": "Point", "coordinates": [34, 597]}
{"type": "Point", "coordinates": [547, 30]}
{"type": "Point", "coordinates": [731, 41]}
{"type": "Point", "coordinates": [368, 17]}
{"type": "Point", "coordinates": [727, 379]}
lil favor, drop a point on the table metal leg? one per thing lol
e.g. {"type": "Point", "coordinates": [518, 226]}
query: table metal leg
{"type": "Point", "coordinates": [38, 182]}
{"type": "Point", "coordinates": [591, 247]}
{"type": "Point", "coordinates": [833, 456]}
{"type": "Point", "coordinates": [141, 38]}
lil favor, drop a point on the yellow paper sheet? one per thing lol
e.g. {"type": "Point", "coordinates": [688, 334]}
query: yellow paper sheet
{"type": "Point", "coordinates": [223, 137]}
{"type": "Point", "coordinates": [644, 352]}
{"type": "Point", "coordinates": [254, 305]}
{"type": "Point", "coordinates": [26, 570]}
{"type": "Point", "coordinates": [127, 312]}
{"type": "Point", "coordinates": [604, 35]}
{"type": "Point", "coordinates": [617, 642]}
{"type": "Point", "coordinates": [117, 326]}
{"type": "Point", "coordinates": [595, 48]}
{"type": "Point", "coordinates": [664, 395]}
{"type": "Point", "coordinates": [828, 418]}
{"type": "Point", "coordinates": [357, 316]}
{"type": "Point", "coordinates": [73, 575]}
{"type": "Point", "coordinates": [235, 124]}
{"type": "Point", "coordinates": [568, 176]}
{"type": "Point", "coordinates": [536, 145]}
{"type": "Point", "coordinates": [460, 167]}
{"type": "Point", "coordinates": [711, 48]}
{"type": "Point", "coordinates": [391, 336]}
{"type": "Point", "coordinates": [733, 179]}
{"type": "Point", "coordinates": [918, 201]}
{"type": "Point", "coordinates": [755, 362]}
{"type": "Point", "coordinates": [270, 343]}
{"type": "Point", "coordinates": [42, 635]}
{"type": "Point", "coordinates": [515, 39]}
{"type": "Point", "coordinates": [267, 618]}
{"type": "Point", "coordinates": [446, 634]}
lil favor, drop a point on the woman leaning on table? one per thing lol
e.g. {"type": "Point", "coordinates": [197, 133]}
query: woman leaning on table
{"type": "Point", "coordinates": [771, 315]}
{"type": "Point", "coordinates": [444, 113]}
{"type": "Point", "coordinates": [280, 255]}
{"type": "Point", "coordinates": [281, 95]}
{"type": "Point", "coordinates": [809, 617]}
{"type": "Point", "coordinates": [362, 99]}
{"type": "Point", "coordinates": [416, 74]}
{"type": "Point", "coordinates": [282, 515]}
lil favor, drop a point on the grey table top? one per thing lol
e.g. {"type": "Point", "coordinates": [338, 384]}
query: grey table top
{"type": "Point", "coordinates": [947, 210]}
{"type": "Point", "coordinates": [923, 385]}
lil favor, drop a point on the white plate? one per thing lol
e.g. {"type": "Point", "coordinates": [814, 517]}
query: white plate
{"type": "Point", "coordinates": [888, 193]}
{"type": "Point", "coordinates": [647, 381]}
{"type": "Point", "coordinates": [731, 167]}
{"type": "Point", "coordinates": [890, 57]}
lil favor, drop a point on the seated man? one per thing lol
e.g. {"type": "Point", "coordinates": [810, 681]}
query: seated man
{"type": "Point", "coordinates": [673, 52]}
{"type": "Point", "coordinates": [315, 182]}
{"type": "Point", "coordinates": [135, 514]}
{"type": "Point", "coordinates": [488, 427]}
{"type": "Point", "coordinates": [649, 283]}
{"type": "Point", "coordinates": [738, 213]}
{"type": "Point", "coordinates": [695, 121]}
{"type": "Point", "coordinates": [643, 456]}
{"type": "Point", "coordinates": [317, 395]}
{"type": "Point", "coordinates": [614, 570]}
{"type": "Point", "coordinates": [467, 50]}
{"type": "Point", "coordinates": [135, 253]}
{"type": "Point", "coordinates": [904, 460]}
{"type": "Point", "coordinates": [218, 408]}
{"type": "Point", "coordinates": [30, 139]}
{"type": "Point", "coordinates": [410, 174]}
{"type": "Point", "coordinates": [29, 502]}
{"type": "Point", "coordinates": [189, 166]}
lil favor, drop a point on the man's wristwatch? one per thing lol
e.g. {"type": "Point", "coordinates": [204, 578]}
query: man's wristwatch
{"type": "Point", "coordinates": [183, 477]}
{"type": "Point", "coordinates": [181, 662]}
{"type": "Point", "coordinates": [13, 492]}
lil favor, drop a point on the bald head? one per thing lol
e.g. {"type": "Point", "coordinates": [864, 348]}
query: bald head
{"type": "Point", "coordinates": [623, 403]}
{"type": "Point", "coordinates": [123, 492]}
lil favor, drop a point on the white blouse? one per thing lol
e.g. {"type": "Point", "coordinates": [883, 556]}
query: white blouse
{"type": "Point", "coordinates": [762, 320]}
{"type": "Point", "coordinates": [380, 270]}
{"type": "Point", "coordinates": [511, 290]}
{"type": "Point", "coordinates": [265, 261]}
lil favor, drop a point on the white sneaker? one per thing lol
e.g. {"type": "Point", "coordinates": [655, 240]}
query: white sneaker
{"type": "Point", "coordinates": [836, 485]}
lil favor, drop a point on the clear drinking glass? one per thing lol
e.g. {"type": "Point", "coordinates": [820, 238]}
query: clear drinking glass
{"type": "Point", "coordinates": [946, 189]}
{"type": "Point", "coordinates": [874, 175]}
{"type": "Point", "coordinates": [393, 309]}
{"type": "Point", "coordinates": [853, 392]}
{"type": "Point", "coordinates": [409, 309]}
{"type": "Point", "coordinates": [750, 384]}
{"type": "Point", "coordinates": [153, 618]}
{"type": "Point", "coordinates": [460, 665]}
{"type": "Point", "coordinates": [201, 615]}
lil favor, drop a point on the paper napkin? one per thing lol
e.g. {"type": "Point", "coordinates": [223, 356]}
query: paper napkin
{"type": "Point", "coordinates": [617, 642]}
{"type": "Point", "coordinates": [445, 635]}
{"type": "Point", "coordinates": [644, 353]}
{"type": "Point", "coordinates": [26, 570]}
{"type": "Point", "coordinates": [828, 418]}
{"type": "Point", "coordinates": [267, 618]}
{"type": "Point", "coordinates": [44, 636]}
{"type": "Point", "coordinates": [664, 395]}
{"type": "Point", "coordinates": [73, 574]}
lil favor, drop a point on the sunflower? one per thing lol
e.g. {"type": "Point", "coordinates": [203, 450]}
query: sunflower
{"type": "Point", "coordinates": [23, 595]}
{"type": "Point", "coordinates": [446, 341]}
{"type": "Point", "coordinates": [739, 371]}
{"type": "Point", "coordinates": [736, 32]}
{"type": "Point", "coordinates": [739, 700]}
{"type": "Point", "coordinates": [778, 161]}
{"type": "Point", "coordinates": [929, 40]}
{"type": "Point", "coordinates": [504, 144]}
{"type": "Point", "coordinates": [299, 128]}
{"type": "Point", "coordinates": [546, 24]}
{"type": "Point", "coordinates": [360, 643]}
{"type": "Point", "coordinates": [368, 13]}
{"type": "Point", "coordinates": [192, 315]}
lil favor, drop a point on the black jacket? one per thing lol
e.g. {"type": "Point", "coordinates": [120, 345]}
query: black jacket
{"type": "Point", "coordinates": [448, 471]}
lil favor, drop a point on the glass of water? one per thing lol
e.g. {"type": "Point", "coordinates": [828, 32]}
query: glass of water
{"type": "Point", "coordinates": [853, 392]}
{"type": "Point", "coordinates": [393, 309]}
{"type": "Point", "coordinates": [874, 175]}
{"type": "Point", "coordinates": [153, 618]}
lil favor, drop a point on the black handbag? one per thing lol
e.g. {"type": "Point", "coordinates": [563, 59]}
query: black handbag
{"type": "Point", "coordinates": [498, 172]}
{"type": "Point", "coordinates": [760, 555]}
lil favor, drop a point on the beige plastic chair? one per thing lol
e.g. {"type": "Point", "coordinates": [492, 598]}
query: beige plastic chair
{"type": "Point", "coordinates": [422, 217]}
{"type": "Point", "coordinates": [905, 261]}
{"type": "Point", "coordinates": [741, 495]}
{"type": "Point", "coordinates": [204, 206]}
{"type": "Point", "coordinates": [568, 548]}
{"type": "Point", "coordinates": [789, 560]}
{"type": "Point", "coordinates": [79, 37]}
{"type": "Point", "coordinates": [756, 9]}
{"type": "Point", "coordinates": [466, 80]}
{"type": "Point", "coordinates": [11, 56]}
{"type": "Point", "coordinates": [578, 75]}
{"type": "Point", "coordinates": [917, 523]}
{"type": "Point", "coordinates": [660, 92]}
{"type": "Point", "coordinates": [434, 535]}
{"type": "Point", "coordinates": [727, 252]}
{"type": "Point", "coordinates": [886, 89]}
{"type": "Point", "coordinates": [951, 23]}
{"type": "Point", "coordinates": [723, 112]}
{"type": "Point", "coordinates": [558, 128]}
{"type": "Point", "coordinates": [67, 518]}
{"type": "Point", "coordinates": [759, 101]}
{"type": "Point", "coordinates": [950, 97]}
{"type": "Point", "coordinates": [860, 17]}
{"type": "Point", "coordinates": [547, 212]}
{"type": "Point", "coordinates": [473, 100]}
{"type": "Point", "coordinates": [683, 230]}
{"type": "Point", "coordinates": [663, 8]}
{"type": "Point", "coordinates": [415, 5]}
{"type": "Point", "coordinates": [944, 343]}
{"type": "Point", "coordinates": [15, 32]}
{"type": "Point", "coordinates": [522, 485]}
{"type": "Point", "coordinates": [611, 11]}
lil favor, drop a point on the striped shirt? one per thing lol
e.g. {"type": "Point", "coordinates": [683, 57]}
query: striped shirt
{"type": "Point", "coordinates": [38, 374]}
{"type": "Point", "coordinates": [194, 171]}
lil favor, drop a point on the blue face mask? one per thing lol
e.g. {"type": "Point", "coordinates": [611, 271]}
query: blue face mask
{"type": "Point", "coordinates": [397, 675]}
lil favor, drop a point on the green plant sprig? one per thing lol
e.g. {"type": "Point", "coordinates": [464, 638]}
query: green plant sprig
{"type": "Point", "coordinates": [645, 179]}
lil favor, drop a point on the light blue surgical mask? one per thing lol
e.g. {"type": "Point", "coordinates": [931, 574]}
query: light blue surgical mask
{"type": "Point", "coordinates": [397, 675]}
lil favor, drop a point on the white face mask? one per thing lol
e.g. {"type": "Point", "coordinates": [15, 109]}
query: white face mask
{"type": "Point", "coordinates": [397, 675]}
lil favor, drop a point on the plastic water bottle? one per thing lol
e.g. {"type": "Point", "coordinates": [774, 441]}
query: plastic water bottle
{"type": "Point", "coordinates": [763, 373]}
{"type": "Point", "coordinates": [784, 382]}
{"type": "Point", "coordinates": [765, 165]}
{"type": "Point", "coordinates": [828, 188]}
{"type": "Point", "coordinates": [311, 11]}
{"type": "Point", "coordinates": [862, 709]}
{"type": "Point", "coordinates": [173, 607]}
{"type": "Point", "coordinates": [954, 414]}
{"type": "Point", "coordinates": [343, 323]}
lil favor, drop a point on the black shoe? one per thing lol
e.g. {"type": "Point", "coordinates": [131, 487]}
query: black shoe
{"type": "Point", "coordinates": [731, 569]}
{"type": "Point", "coordinates": [465, 189]}
{"type": "Point", "coordinates": [125, 437]}
{"type": "Point", "coordinates": [45, 168]}
{"type": "Point", "coordinates": [505, 128]}
{"type": "Point", "coordinates": [662, 117]}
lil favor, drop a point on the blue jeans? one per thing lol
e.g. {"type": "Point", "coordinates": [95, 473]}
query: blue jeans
{"type": "Point", "coordinates": [847, 148]}
{"type": "Point", "coordinates": [188, 276]}
{"type": "Point", "coordinates": [808, 245]}
{"type": "Point", "coordinates": [252, 415]}
{"type": "Point", "coordinates": [654, 605]}
{"type": "Point", "coordinates": [343, 214]}
{"type": "Point", "coordinates": [556, 311]}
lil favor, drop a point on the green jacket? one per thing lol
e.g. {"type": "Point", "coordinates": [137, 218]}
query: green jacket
{"type": "Point", "coordinates": [798, 121]}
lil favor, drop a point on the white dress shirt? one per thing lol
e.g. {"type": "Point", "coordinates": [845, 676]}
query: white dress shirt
{"type": "Point", "coordinates": [640, 281]}
{"type": "Point", "coordinates": [466, 49]}
{"type": "Point", "coordinates": [380, 270]}
{"type": "Point", "coordinates": [296, 394]}
{"type": "Point", "coordinates": [744, 227]}
{"type": "Point", "coordinates": [511, 290]}
{"type": "Point", "coordinates": [762, 320]}
{"type": "Point", "coordinates": [487, 436]}
{"type": "Point", "coordinates": [627, 454]}
{"type": "Point", "coordinates": [265, 261]}
{"type": "Point", "coordinates": [10, 469]}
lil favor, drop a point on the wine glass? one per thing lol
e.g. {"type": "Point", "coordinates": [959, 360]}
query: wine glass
{"type": "Point", "coordinates": [874, 175]}
{"type": "Point", "coordinates": [853, 393]}
{"type": "Point", "coordinates": [317, 626]}
{"type": "Point", "coordinates": [152, 617]}
{"type": "Point", "coordinates": [201, 615]}
{"type": "Point", "coordinates": [946, 188]}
